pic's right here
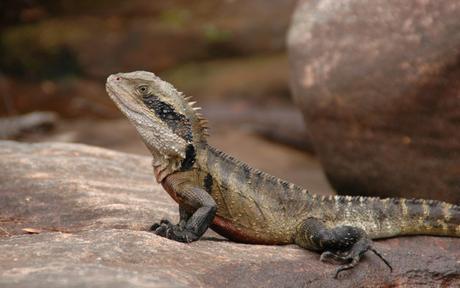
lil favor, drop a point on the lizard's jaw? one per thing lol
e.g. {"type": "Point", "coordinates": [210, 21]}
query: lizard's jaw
{"type": "Point", "coordinates": [120, 95]}
{"type": "Point", "coordinates": [115, 91]}
{"type": "Point", "coordinates": [156, 135]}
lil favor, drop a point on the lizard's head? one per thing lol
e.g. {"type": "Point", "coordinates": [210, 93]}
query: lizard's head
{"type": "Point", "coordinates": [168, 123]}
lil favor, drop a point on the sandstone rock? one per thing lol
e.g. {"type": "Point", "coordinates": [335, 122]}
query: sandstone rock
{"type": "Point", "coordinates": [378, 86]}
{"type": "Point", "coordinates": [75, 187]}
{"type": "Point", "coordinates": [87, 209]}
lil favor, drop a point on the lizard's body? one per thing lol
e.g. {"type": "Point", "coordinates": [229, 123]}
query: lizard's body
{"type": "Point", "coordinates": [248, 212]}
{"type": "Point", "coordinates": [246, 205]}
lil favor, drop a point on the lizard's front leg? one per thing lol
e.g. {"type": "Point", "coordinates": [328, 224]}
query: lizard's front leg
{"type": "Point", "coordinates": [184, 215]}
{"type": "Point", "coordinates": [191, 225]}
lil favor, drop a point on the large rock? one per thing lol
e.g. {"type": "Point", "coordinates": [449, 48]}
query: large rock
{"type": "Point", "coordinates": [378, 85]}
{"type": "Point", "coordinates": [86, 210]}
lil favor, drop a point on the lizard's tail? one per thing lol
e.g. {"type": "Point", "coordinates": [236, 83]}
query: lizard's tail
{"type": "Point", "coordinates": [433, 218]}
{"type": "Point", "coordinates": [416, 217]}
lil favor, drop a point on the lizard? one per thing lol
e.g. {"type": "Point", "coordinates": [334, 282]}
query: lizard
{"type": "Point", "coordinates": [216, 191]}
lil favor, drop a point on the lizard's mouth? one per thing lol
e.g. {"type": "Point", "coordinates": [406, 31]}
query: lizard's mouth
{"type": "Point", "coordinates": [116, 91]}
{"type": "Point", "coordinates": [113, 89]}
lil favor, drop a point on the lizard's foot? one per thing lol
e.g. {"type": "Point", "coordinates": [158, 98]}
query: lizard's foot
{"type": "Point", "coordinates": [163, 222]}
{"type": "Point", "coordinates": [355, 254]}
{"type": "Point", "coordinates": [174, 232]}
{"type": "Point", "coordinates": [344, 244]}
{"type": "Point", "coordinates": [334, 257]}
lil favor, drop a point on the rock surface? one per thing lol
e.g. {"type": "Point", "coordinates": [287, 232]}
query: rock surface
{"type": "Point", "coordinates": [86, 210]}
{"type": "Point", "coordinates": [378, 85]}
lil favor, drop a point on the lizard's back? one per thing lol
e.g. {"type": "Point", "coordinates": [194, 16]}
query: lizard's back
{"type": "Point", "coordinates": [264, 209]}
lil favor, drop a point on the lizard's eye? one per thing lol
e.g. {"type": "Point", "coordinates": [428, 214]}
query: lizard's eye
{"type": "Point", "coordinates": [143, 89]}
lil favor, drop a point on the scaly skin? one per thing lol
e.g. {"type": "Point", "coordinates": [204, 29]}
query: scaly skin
{"type": "Point", "coordinates": [216, 191]}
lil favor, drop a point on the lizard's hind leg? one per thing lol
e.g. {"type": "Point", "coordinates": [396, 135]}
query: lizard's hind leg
{"type": "Point", "coordinates": [344, 244]}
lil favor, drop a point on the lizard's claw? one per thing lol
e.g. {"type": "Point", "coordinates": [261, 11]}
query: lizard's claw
{"type": "Point", "coordinates": [181, 235]}
{"type": "Point", "coordinates": [166, 222]}
{"type": "Point", "coordinates": [162, 230]}
{"type": "Point", "coordinates": [334, 258]}
{"type": "Point", "coordinates": [163, 222]}
{"type": "Point", "coordinates": [154, 226]}
{"type": "Point", "coordinates": [174, 232]}
{"type": "Point", "coordinates": [353, 258]}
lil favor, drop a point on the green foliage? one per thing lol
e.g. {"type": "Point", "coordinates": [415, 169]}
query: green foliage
{"type": "Point", "coordinates": [214, 34]}
{"type": "Point", "coordinates": [27, 53]}
{"type": "Point", "coordinates": [176, 18]}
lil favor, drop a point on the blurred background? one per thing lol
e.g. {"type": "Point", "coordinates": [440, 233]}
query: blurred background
{"type": "Point", "coordinates": [376, 86]}
{"type": "Point", "coordinates": [229, 55]}
{"type": "Point", "coordinates": [354, 97]}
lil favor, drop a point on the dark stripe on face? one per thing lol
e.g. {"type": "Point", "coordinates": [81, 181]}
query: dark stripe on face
{"type": "Point", "coordinates": [189, 160]}
{"type": "Point", "coordinates": [178, 123]}
{"type": "Point", "coordinates": [207, 183]}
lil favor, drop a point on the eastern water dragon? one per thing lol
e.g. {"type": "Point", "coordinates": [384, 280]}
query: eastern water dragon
{"type": "Point", "coordinates": [243, 204]}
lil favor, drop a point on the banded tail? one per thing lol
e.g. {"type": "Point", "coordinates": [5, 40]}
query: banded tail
{"type": "Point", "coordinates": [429, 217]}
{"type": "Point", "coordinates": [382, 218]}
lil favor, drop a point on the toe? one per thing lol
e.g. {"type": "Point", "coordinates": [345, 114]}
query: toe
{"type": "Point", "coordinates": [161, 230]}
{"type": "Point", "coordinates": [154, 226]}
{"type": "Point", "coordinates": [165, 221]}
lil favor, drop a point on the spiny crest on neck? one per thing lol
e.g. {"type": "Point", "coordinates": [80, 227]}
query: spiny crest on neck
{"type": "Point", "coordinates": [169, 94]}
{"type": "Point", "coordinates": [201, 121]}
{"type": "Point", "coordinates": [171, 106]}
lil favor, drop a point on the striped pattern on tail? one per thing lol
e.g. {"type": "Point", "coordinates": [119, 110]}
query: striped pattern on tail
{"type": "Point", "coordinates": [382, 218]}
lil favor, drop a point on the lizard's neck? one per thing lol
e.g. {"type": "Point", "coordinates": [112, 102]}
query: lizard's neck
{"type": "Point", "coordinates": [165, 166]}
